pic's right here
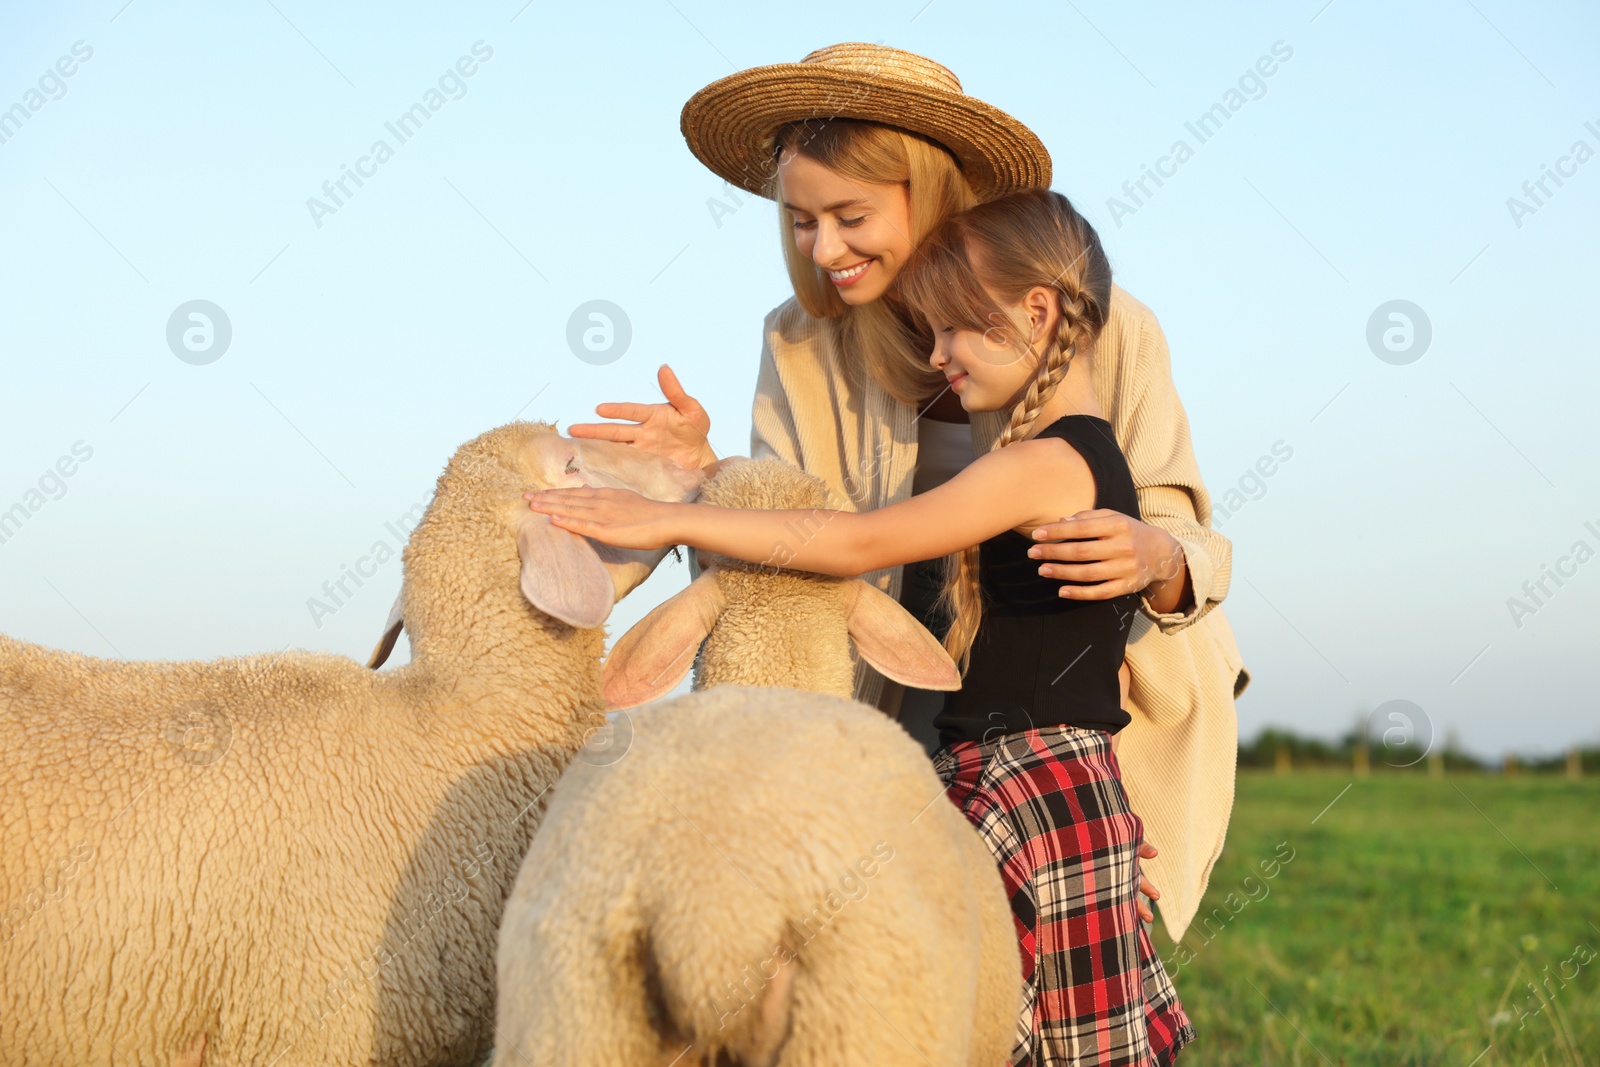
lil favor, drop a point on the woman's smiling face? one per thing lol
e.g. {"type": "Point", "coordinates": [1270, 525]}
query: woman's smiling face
{"type": "Point", "coordinates": [859, 233]}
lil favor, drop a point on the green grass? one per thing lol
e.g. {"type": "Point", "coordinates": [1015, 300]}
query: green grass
{"type": "Point", "coordinates": [1405, 929]}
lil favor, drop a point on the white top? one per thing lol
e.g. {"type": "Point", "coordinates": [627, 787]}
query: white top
{"type": "Point", "coordinates": [943, 448]}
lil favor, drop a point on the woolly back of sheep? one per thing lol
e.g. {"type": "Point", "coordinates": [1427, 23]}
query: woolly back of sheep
{"type": "Point", "coordinates": [726, 891]}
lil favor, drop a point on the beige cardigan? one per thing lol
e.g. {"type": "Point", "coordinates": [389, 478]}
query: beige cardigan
{"type": "Point", "coordinates": [1178, 755]}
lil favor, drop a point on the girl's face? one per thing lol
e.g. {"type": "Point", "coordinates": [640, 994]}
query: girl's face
{"type": "Point", "coordinates": [858, 233]}
{"type": "Point", "coordinates": [989, 370]}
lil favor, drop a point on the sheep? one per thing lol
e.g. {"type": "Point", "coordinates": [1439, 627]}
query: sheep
{"type": "Point", "coordinates": [764, 876]}
{"type": "Point", "coordinates": [757, 624]}
{"type": "Point", "coordinates": [289, 859]}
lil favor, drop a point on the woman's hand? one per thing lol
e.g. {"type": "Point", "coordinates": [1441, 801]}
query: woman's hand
{"type": "Point", "coordinates": [618, 517]}
{"type": "Point", "coordinates": [676, 430]}
{"type": "Point", "coordinates": [1147, 851]}
{"type": "Point", "coordinates": [1118, 554]}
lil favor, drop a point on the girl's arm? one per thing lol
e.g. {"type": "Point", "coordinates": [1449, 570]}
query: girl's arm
{"type": "Point", "coordinates": [996, 492]}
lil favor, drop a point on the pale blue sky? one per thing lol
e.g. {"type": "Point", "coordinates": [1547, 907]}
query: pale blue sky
{"type": "Point", "coordinates": [1374, 164]}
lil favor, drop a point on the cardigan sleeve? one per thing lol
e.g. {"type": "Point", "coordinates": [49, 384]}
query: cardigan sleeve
{"type": "Point", "coordinates": [772, 427]}
{"type": "Point", "coordinates": [1161, 457]}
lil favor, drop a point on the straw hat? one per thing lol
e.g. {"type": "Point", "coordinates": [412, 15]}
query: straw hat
{"type": "Point", "coordinates": [729, 124]}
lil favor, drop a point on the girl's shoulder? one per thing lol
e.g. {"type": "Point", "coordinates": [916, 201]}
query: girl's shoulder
{"type": "Point", "coordinates": [1047, 450]}
{"type": "Point", "coordinates": [1052, 472]}
{"type": "Point", "coordinates": [1080, 431]}
{"type": "Point", "coordinates": [1091, 438]}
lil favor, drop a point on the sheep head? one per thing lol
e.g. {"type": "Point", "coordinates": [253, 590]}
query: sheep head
{"type": "Point", "coordinates": [570, 578]}
{"type": "Point", "coordinates": [758, 624]}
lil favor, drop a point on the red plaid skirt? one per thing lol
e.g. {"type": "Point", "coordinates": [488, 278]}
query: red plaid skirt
{"type": "Point", "coordinates": [1049, 804]}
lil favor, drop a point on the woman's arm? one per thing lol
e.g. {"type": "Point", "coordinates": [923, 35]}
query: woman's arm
{"type": "Point", "coordinates": [996, 492]}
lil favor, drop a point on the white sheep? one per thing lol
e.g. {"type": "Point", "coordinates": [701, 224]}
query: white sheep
{"type": "Point", "coordinates": [289, 859]}
{"type": "Point", "coordinates": [765, 876]}
{"type": "Point", "coordinates": [758, 624]}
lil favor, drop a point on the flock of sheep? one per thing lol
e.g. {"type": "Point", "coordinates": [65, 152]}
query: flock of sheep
{"type": "Point", "coordinates": [293, 859]}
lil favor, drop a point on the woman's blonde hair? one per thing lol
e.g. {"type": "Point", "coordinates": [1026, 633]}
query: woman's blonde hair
{"type": "Point", "coordinates": [962, 274]}
{"type": "Point", "coordinates": [880, 338]}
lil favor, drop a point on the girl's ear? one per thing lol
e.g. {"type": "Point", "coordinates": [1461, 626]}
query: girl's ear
{"type": "Point", "coordinates": [900, 647]}
{"type": "Point", "coordinates": [1042, 312]}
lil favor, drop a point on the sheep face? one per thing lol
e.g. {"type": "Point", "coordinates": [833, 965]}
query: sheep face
{"type": "Point", "coordinates": [558, 462]}
{"type": "Point", "coordinates": [573, 578]}
{"type": "Point", "coordinates": [567, 577]}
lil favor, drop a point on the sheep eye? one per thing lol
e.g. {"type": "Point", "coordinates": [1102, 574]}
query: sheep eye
{"type": "Point", "coordinates": [572, 465]}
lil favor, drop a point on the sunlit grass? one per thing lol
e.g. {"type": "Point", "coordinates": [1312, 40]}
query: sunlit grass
{"type": "Point", "coordinates": [1419, 920]}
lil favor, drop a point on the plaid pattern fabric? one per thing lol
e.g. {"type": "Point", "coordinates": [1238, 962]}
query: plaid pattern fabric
{"type": "Point", "coordinates": [1049, 804]}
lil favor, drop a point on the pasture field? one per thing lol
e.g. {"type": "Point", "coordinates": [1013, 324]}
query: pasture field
{"type": "Point", "coordinates": [1415, 921]}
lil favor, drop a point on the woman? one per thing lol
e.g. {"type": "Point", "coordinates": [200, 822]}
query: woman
{"type": "Point", "coordinates": [866, 148]}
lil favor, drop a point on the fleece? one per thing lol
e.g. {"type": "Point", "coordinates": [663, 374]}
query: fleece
{"type": "Point", "coordinates": [760, 877]}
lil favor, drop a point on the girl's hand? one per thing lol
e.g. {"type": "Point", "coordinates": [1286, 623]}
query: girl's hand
{"type": "Point", "coordinates": [676, 430]}
{"type": "Point", "coordinates": [1116, 552]}
{"type": "Point", "coordinates": [618, 517]}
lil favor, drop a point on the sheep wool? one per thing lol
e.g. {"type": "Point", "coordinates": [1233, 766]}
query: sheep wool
{"type": "Point", "coordinates": [290, 859]}
{"type": "Point", "coordinates": [720, 894]}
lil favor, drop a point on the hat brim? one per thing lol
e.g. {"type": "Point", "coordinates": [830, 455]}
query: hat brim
{"type": "Point", "coordinates": [729, 124]}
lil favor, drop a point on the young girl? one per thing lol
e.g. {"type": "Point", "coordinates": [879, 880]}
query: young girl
{"type": "Point", "coordinates": [1015, 291]}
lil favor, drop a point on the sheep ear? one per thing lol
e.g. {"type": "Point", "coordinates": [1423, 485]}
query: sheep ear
{"type": "Point", "coordinates": [562, 575]}
{"type": "Point", "coordinates": [651, 658]}
{"type": "Point", "coordinates": [900, 647]}
{"type": "Point", "coordinates": [391, 635]}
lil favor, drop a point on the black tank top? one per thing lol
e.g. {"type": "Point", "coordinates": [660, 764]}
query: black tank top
{"type": "Point", "coordinates": [1040, 659]}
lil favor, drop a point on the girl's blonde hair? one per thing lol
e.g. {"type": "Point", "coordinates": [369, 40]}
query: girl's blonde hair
{"type": "Point", "coordinates": [962, 274]}
{"type": "Point", "coordinates": [880, 338]}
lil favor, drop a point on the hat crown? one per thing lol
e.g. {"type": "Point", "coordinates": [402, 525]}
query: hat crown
{"type": "Point", "coordinates": [879, 61]}
{"type": "Point", "coordinates": [730, 124]}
